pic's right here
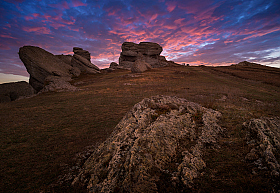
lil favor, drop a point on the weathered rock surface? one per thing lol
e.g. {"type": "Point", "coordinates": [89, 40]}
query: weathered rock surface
{"type": "Point", "coordinates": [140, 65]}
{"type": "Point", "coordinates": [264, 139]}
{"type": "Point", "coordinates": [58, 84]}
{"type": "Point", "coordinates": [156, 146]}
{"type": "Point", "coordinates": [14, 90]}
{"type": "Point", "coordinates": [151, 52]}
{"type": "Point", "coordinates": [40, 64]}
{"type": "Point", "coordinates": [113, 65]}
{"type": "Point", "coordinates": [65, 58]}
{"type": "Point", "coordinates": [81, 60]}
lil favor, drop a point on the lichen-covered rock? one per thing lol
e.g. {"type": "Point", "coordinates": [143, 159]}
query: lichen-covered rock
{"type": "Point", "coordinates": [264, 138]}
{"type": "Point", "coordinates": [161, 138]}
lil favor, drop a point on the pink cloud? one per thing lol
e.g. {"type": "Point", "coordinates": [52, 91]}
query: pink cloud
{"type": "Point", "coordinates": [7, 36]}
{"type": "Point", "coordinates": [77, 3]}
{"type": "Point", "coordinates": [171, 6]}
{"type": "Point", "coordinates": [37, 30]}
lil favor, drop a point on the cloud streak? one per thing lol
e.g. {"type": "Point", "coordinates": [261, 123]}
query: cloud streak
{"type": "Point", "coordinates": [209, 32]}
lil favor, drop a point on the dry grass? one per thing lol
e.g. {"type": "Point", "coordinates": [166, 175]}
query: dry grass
{"type": "Point", "coordinates": [40, 136]}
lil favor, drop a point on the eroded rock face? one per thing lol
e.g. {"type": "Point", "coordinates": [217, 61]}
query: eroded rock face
{"type": "Point", "coordinates": [41, 64]}
{"type": "Point", "coordinates": [264, 139]}
{"type": "Point", "coordinates": [151, 52]}
{"type": "Point", "coordinates": [156, 146]}
{"type": "Point", "coordinates": [81, 60]}
{"type": "Point", "coordinates": [14, 90]}
{"type": "Point", "coordinates": [140, 65]}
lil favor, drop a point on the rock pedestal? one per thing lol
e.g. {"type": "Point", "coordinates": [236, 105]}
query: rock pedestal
{"type": "Point", "coordinates": [149, 50]}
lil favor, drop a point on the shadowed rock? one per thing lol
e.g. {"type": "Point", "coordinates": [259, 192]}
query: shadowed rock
{"type": "Point", "coordinates": [12, 91]}
{"type": "Point", "coordinates": [160, 139]}
{"type": "Point", "coordinates": [140, 65]}
{"type": "Point", "coordinates": [151, 52]}
{"type": "Point", "coordinates": [40, 64]}
{"type": "Point", "coordinates": [81, 60]}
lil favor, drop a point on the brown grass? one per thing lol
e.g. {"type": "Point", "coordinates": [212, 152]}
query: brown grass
{"type": "Point", "coordinates": [40, 136]}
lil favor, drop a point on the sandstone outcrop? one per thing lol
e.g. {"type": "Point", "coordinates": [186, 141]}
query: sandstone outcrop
{"type": "Point", "coordinates": [12, 91]}
{"type": "Point", "coordinates": [58, 84]}
{"type": "Point", "coordinates": [151, 52]}
{"type": "Point", "coordinates": [140, 65]}
{"type": "Point", "coordinates": [40, 64]}
{"type": "Point", "coordinates": [65, 58]}
{"type": "Point", "coordinates": [81, 60]}
{"type": "Point", "coordinates": [156, 147]}
{"type": "Point", "coordinates": [264, 139]}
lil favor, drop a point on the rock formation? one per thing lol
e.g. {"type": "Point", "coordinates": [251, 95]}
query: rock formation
{"type": "Point", "coordinates": [12, 91]}
{"type": "Point", "coordinates": [40, 64]}
{"type": "Point", "coordinates": [264, 139]}
{"type": "Point", "coordinates": [81, 60]}
{"type": "Point", "coordinates": [150, 51]}
{"type": "Point", "coordinates": [156, 147]}
{"type": "Point", "coordinates": [140, 65]}
{"type": "Point", "coordinates": [65, 58]}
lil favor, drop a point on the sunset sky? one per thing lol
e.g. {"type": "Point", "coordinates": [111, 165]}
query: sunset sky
{"type": "Point", "coordinates": [208, 32]}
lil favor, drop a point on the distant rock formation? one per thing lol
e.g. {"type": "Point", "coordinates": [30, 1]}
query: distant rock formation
{"type": "Point", "coordinates": [245, 63]}
{"type": "Point", "coordinates": [140, 65]}
{"type": "Point", "coordinates": [156, 147]}
{"type": "Point", "coordinates": [148, 50]}
{"type": "Point", "coordinates": [50, 72]}
{"type": "Point", "coordinates": [40, 64]}
{"type": "Point", "coordinates": [15, 90]}
{"type": "Point", "coordinates": [264, 139]}
{"type": "Point", "coordinates": [81, 60]}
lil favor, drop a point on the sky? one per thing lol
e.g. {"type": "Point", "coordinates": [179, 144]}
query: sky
{"type": "Point", "coordinates": [196, 32]}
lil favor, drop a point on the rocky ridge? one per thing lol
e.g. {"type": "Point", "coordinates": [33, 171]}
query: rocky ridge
{"type": "Point", "coordinates": [146, 149]}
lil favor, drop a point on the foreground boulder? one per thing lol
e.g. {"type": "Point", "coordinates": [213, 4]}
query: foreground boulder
{"type": "Point", "coordinates": [156, 147]}
{"type": "Point", "coordinates": [149, 50]}
{"type": "Point", "coordinates": [264, 139]}
{"type": "Point", "coordinates": [40, 64]}
{"type": "Point", "coordinates": [81, 60]}
{"type": "Point", "coordinates": [14, 90]}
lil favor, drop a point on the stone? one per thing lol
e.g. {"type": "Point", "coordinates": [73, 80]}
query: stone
{"type": "Point", "coordinates": [81, 60]}
{"type": "Point", "coordinates": [65, 58]}
{"type": "Point", "coordinates": [58, 84]}
{"type": "Point", "coordinates": [15, 90]}
{"type": "Point", "coordinates": [84, 53]}
{"type": "Point", "coordinates": [265, 132]}
{"type": "Point", "coordinates": [113, 65]}
{"type": "Point", "coordinates": [158, 140]}
{"type": "Point", "coordinates": [140, 65]}
{"type": "Point", "coordinates": [151, 52]}
{"type": "Point", "coordinates": [41, 64]}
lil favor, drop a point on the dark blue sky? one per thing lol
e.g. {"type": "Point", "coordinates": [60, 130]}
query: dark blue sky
{"type": "Point", "coordinates": [209, 32]}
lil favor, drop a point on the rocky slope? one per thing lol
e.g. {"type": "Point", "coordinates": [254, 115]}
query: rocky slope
{"type": "Point", "coordinates": [147, 152]}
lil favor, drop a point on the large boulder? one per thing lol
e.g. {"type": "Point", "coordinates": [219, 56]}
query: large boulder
{"type": "Point", "coordinates": [81, 60]}
{"type": "Point", "coordinates": [65, 58]}
{"type": "Point", "coordinates": [140, 65]}
{"type": "Point", "coordinates": [156, 147]}
{"type": "Point", "coordinates": [14, 90]}
{"type": "Point", "coordinates": [151, 52]}
{"type": "Point", "coordinates": [41, 64]}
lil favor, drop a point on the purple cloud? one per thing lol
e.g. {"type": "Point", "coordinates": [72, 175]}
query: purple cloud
{"type": "Point", "coordinates": [206, 32]}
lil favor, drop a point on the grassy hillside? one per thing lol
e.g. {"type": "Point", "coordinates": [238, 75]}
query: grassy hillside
{"type": "Point", "coordinates": [41, 136]}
